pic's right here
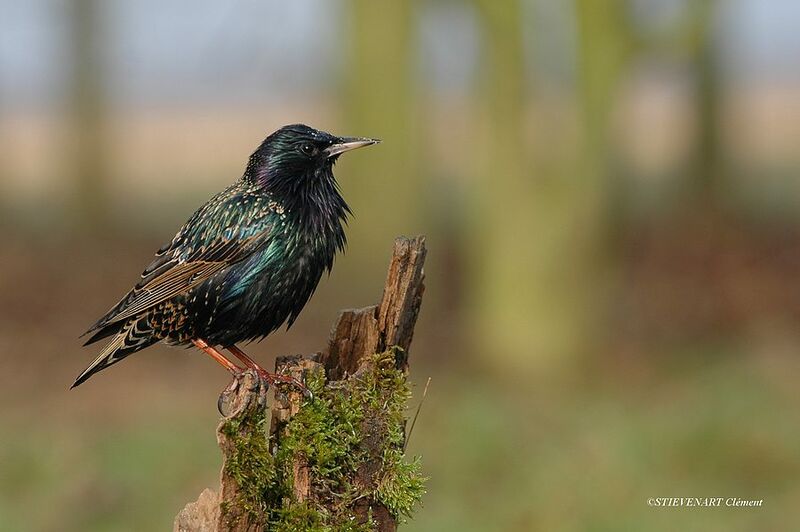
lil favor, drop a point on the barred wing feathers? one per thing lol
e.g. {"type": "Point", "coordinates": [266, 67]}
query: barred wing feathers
{"type": "Point", "coordinates": [183, 264]}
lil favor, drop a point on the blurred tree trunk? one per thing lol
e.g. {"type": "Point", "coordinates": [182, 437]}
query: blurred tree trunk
{"type": "Point", "coordinates": [380, 101]}
{"type": "Point", "coordinates": [604, 43]}
{"type": "Point", "coordinates": [706, 165]}
{"type": "Point", "coordinates": [543, 228]}
{"type": "Point", "coordinates": [87, 115]}
{"type": "Point", "coordinates": [604, 49]}
{"type": "Point", "coordinates": [506, 278]}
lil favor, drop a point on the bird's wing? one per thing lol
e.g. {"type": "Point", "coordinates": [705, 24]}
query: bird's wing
{"type": "Point", "coordinates": [178, 267]}
{"type": "Point", "coordinates": [132, 335]}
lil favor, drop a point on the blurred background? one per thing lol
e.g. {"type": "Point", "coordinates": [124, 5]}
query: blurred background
{"type": "Point", "coordinates": [611, 198]}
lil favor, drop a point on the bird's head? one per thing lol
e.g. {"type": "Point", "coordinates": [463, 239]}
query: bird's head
{"type": "Point", "coordinates": [298, 158]}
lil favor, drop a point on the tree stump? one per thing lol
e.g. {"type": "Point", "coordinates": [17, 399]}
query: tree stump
{"type": "Point", "coordinates": [334, 461]}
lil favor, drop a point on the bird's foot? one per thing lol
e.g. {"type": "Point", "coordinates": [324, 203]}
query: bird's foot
{"type": "Point", "coordinates": [273, 379]}
{"type": "Point", "coordinates": [226, 403]}
{"type": "Point", "coordinates": [225, 398]}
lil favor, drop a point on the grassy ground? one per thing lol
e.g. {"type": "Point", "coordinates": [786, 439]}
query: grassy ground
{"type": "Point", "coordinates": [587, 456]}
{"type": "Point", "coordinates": [578, 449]}
{"type": "Point", "coordinates": [552, 456]}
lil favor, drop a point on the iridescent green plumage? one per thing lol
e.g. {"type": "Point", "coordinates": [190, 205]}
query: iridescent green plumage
{"type": "Point", "coordinates": [245, 262]}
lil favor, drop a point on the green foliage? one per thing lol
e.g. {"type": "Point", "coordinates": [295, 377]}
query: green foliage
{"type": "Point", "coordinates": [347, 428]}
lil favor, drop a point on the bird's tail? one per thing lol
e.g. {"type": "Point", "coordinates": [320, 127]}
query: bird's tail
{"type": "Point", "coordinates": [134, 336]}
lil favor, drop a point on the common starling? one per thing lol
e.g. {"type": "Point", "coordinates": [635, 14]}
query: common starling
{"type": "Point", "coordinates": [245, 262]}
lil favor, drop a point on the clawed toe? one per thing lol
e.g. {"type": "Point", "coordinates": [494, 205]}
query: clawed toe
{"type": "Point", "coordinates": [227, 394]}
{"type": "Point", "coordinates": [223, 401]}
{"type": "Point", "coordinates": [264, 377]}
{"type": "Point", "coordinates": [275, 379]}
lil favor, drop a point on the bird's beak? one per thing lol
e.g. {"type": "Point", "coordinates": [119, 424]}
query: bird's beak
{"type": "Point", "coordinates": [348, 143]}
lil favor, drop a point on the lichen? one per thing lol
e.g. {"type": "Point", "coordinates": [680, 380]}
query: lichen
{"type": "Point", "coordinates": [351, 438]}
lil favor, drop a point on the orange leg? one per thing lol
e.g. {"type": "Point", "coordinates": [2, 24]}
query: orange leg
{"type": "Point", "coordinates": [246, 360]}
{"type": "Point", "coordinates": [271, 378]}
{"type": "Point", "coordinates": [216, 355]}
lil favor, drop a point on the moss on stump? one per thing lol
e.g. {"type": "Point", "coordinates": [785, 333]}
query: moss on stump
{"type": "Point", "coordinates": [349, 439]}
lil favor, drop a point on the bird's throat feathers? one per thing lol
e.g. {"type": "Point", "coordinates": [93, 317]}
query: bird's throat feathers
{"type": "Point", "coordinates": [308, 197]}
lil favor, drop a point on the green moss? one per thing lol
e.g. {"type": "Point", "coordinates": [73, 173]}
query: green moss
{"type": "Point", "coordinates": [305, 517]}
{"type": "Point", "coordinates": [348, 428]}
{"type": "Point", "coordinates": [251, 465]}
{"type": "Point", "coordinates": [402, 485]}
{"type": "Point", "coordinates": [298, 518]}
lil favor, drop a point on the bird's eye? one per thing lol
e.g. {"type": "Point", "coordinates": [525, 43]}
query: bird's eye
{"type": "Point", "coordinates": [308, 149]}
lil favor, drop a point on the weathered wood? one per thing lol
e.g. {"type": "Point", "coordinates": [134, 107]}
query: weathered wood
{"type": "Point", "coordinates": [287, 404]}
{"type": "Point", "coordinates": [201, 515]}
{"type": "Point", "coordinates": [402, 294]}
{"type": "Point", "coordinates": [245, 399]}
{"type": "Point", "coordinates": [349, 358]}
{"type": "Point", "coordinates": [363, 332]}
{"type": "Point", "coordinates": [249, 399]}
{"type": "Point", "coordinates": [354, 335]}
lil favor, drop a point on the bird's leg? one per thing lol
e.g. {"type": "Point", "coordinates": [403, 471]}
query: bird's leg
{"type": "Point", "coordinates": [224, 397]}
{"type": "Point", "coordinates": [271, 378]}
{"type": "Point", "coordinates": [216, 355]}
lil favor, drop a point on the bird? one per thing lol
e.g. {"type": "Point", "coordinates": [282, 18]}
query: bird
{"type": "Point", "coordinates": [244, 263]}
